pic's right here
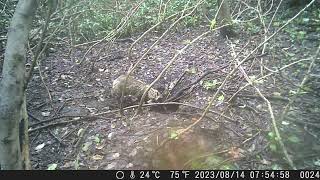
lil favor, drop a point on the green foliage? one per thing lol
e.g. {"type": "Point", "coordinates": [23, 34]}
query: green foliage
{"type": "Point", "coordinates": [276, 167]}
{"type": "Point", "coordinates": [97, 139]}
{"type": "Point", "coordinates": [210, 84]}
{"type": "Point", "coordinates": [252, 28]}
{"type": "Point", "coordinates": [99, 17]}
{"type": "Point", "coordinates": [86, 146]}
{"type": "Point", "coordinates": [173, 135]}
{"type": "Point", "coordinates": [302, 26]}
{"type": "Point", "coordinates": [273, 142]}
{"type": "Point", "coordinates": [52, 167]}
{"type": "Point", "coordinates": [293, 139]}
{"type": "Point", "coordinates": [221, 98]}
{"type": "Point", "coordinates": [94, 19]}
{"type": "Point", "coordinates": [76, 162]}
{"type": "Point", "coordinates": [192, 70]}
{"type": "Point", "coordinates": [213, 24]}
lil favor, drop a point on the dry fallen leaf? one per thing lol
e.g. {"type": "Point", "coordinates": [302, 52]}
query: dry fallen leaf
{"type": "Point", "coordinates": [45, 113]}
{"type": "Point", "coordinates": [133, 152]}
{"type": "Point", "coordinates": [129, 165]}
{"type": "Point", "coordinates": [99, 147]}
{"type": "Point", "coordinates": [110, 166]}
{"type": "Point", "coordinates": [116, 155]}
{"type": "Point", "coordinates": [235, 153]}
{"type": "Point", "coordinates": [76, 118]}
{"type": "Point", "coordinates": [265, 162]}
{"type": "Point", "coordinates": [97, 157]}
{"type": "Point", "coordinates": [101, 99]}
{"type": "Point", "coordinates": [110, 135]}
{"type": "Point", "coordinates": [40, 146]}
{"type": "Point", "coordinates": [63, 76]}
{"type": "Point", "coordinates": [68, 164]}
{"type": "Point", "coordinates": [113, 125]}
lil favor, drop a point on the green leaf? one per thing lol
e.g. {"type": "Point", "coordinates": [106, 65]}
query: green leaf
{"type": "Point", "coordinates": [76, 163]}
{"type": "Point", "coordinates": [273, 147]}
{"type": "Point", "coordinates": [97, 139]}
{"type": "Point", "coordinates": [291, 54]}
{"type": "Point", "coordinates": [276, 94]}
{"type": "Point", "coordinates": [212, 24]}
{"type": "Point", "coordinates": [271, 135]}
{"type": "Point", "coordinates": [186, 41]}
{"type": "Point", "coordinates": [292, 92]}
{"type": "Point", "coordinates": [305, 20]}
{"type": "Point", "coordinates": [86, 146]}
{"type": "Point", "coordinates": [221, 98]}
{"type": "Point", "coordinates": [276, 24]}
{"type": "Point", "coordinates": [192, 70]}
{"type": "Point", "coordinates": [252, 78]}
{"type": "Point", "coordinates": [210, 84]}
{"type": "Point", "coordinates": [317, 162]}
{"type": "Point", "coordinates": [258, 81]}
{"type": "Point", "coordinates": [276, 167]}
{"type": "Point", "coordinates": [52, 166]}
{"type": "Point", "coordinates": [294, 139]}
{"type": "Point", "coordinates": [173, 135]}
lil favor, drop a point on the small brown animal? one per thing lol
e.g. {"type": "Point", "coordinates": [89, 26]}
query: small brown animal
{"type": "Point", "coordinates": [133, 90]}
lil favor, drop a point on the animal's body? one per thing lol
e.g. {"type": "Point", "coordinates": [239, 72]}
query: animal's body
{"type": "Point", "coordinates": [133, 90]}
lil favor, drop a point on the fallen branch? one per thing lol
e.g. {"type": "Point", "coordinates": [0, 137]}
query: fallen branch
{"type": "Point", "coordinates": [268, 97]}
{"type": "Point", "coordinates": [50, 132]}
{"type": "Point", "coordinates": [167, 103]}
{"type": "Point", "coordinates": [63, 123]}
{"type": "Point", "coordinates": [179, 93]}
{"type": "Point", "coordinates": [274, 123]}
{"type": "Point", "coordinates": [54, 118]}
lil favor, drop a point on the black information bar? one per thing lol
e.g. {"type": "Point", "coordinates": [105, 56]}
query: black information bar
{"type": "Point", "coordinates": [167, 174]}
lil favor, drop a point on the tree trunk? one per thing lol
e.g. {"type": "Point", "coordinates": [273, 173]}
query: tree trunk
{"type": "Point", "coordinates": [224, 18]}
{"type": "Point", "coordinates": [13, 118]}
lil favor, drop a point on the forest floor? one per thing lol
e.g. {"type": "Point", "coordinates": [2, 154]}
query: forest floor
{"type": "Point", "coordinates": [234, 135]}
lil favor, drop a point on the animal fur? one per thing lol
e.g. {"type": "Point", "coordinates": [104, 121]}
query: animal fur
{"type": "Point", "coordinates": [133, 90]}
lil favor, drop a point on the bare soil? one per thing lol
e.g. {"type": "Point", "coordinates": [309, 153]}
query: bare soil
{"type": "Point", "coordinates": [109, 141]}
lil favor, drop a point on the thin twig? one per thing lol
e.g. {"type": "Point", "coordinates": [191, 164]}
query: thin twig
{"type": "Point", "coordinates": [236, 68]}
{"type": "Point", "coordinates": [64, 122]}
{"type": "Point", "coordinates": [39, 49]}
{"type": "Point", "coordinates": [166, 68]}
{"type": "Point", "coordinates": [130, 71]}
{"type": "Point", "coordinates": [50, 132]}
{"type": "Point", "coordinates": [176, 95]}
{"type": "Point", "coordinates": [114, 33]}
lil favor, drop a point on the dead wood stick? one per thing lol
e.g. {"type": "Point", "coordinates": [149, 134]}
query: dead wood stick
{"type": "Point", "coordinates": [167, 103]}
{"type": "Point", "coordinates": [61, 123]}
{"type": "Point", "coordinates": [179, 93]}
{"type": "Point", "coordinates": [55, 118]}
{"type": "Point", "coordinates": [99, 115]}
{"type": "Point", "coordinates": [50, 132]}
{"type": "Point", "coordinates": [175, 85]}
{"type": "Point", "coordinates": [268, 97]}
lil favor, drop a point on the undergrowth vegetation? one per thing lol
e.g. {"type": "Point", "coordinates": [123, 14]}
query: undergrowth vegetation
{"type": "Point", "coordinates": [86, 21]}
{"type": "Point", "coordinates": [94, 19]}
